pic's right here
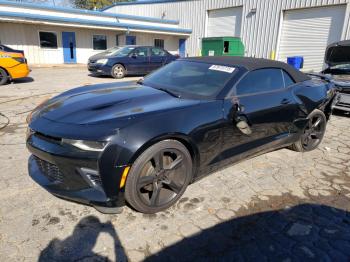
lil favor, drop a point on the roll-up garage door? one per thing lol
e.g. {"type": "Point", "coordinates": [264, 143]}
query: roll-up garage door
{"type": "Point", "coordinates": [224, 22]}
{"type": "Point", "coordinates": [307, 32]}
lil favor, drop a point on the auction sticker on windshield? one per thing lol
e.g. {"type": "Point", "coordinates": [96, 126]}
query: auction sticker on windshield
{"type": "Point", "coordinates": [226, 69]}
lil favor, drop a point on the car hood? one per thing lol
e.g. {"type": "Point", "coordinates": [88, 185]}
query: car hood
{"type": "Point", "coordinates": [99, 56]}
{"type": "Point", "coordinates": [342, 81]}
{"type": "Point", "coordinates": [108, 102]}
{"type": "Point", "coordinates": [338, 53]}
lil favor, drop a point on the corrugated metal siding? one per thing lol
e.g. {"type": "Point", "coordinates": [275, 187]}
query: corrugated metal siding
{"type": "Point", "coordinates": [260, 31]}
{"type": "Point", "coordinates": [308, 32]}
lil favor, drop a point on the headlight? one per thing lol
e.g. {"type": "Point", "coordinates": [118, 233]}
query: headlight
{"type": "Point", "coordinates": [35, 111]}
{"type": "Point", "coordinates": [102, 61]}
{"type": "Point", "coordinates": [86, 145]}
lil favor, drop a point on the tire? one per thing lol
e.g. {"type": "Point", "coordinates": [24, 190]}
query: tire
{"type": "Point", "coordinates": [3, 77]}
{"type": "Point", "coordinates": [118, 71]}
{"type": "Point", "coordinates": [155, 185]}
{"type": "Point", "coordinates": [311, 138]}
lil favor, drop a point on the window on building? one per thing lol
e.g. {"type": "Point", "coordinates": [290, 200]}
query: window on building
{"type": "Point", "coordinates": [159, 43]}
{"type": "Point", "coordinates": [48, 40]}
{"type": "Point", "coordinates": [117, 40]}
{"type": "Point", "coordinates": [99, 42]}
{"type": "Point", "coordinates": [263, 80]}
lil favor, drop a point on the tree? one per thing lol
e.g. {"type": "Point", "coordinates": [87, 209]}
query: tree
{"type": "Point", "coordinates": [94, 4]}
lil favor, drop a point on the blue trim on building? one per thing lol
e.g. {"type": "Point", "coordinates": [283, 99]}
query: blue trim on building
{"type": "Point", "coordinates": [142, 3]}
{"type": "Point", "coordinates": [88, 12]}
{"type": "Point", "coordinates": [37, 17]}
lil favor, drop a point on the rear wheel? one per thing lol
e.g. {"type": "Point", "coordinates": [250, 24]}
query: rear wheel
{"type": "Point", "coordinates": [118, 71]}
{"type": "Point", "coordinates": [313, 132]}
{"type": "Point", "coordinates": [159, 177]}
{"type": "Point", "coordinates": [3, 77]}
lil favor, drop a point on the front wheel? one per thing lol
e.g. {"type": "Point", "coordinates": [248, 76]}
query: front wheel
{"type": "Point", "coordinates": [3, 77]}
{"type": "Point", "coordinates": [118, 71]}
{"type": "Point", "coordinates": [159, 177]}
{"type": "Point", "coordinates": [313, 132]}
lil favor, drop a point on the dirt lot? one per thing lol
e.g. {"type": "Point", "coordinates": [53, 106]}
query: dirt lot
{"type": "Point", "coordinates": [284, 205]}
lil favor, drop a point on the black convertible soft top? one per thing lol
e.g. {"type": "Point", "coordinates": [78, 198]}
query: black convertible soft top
{"type": "Point", "coordinates": [252, 64]}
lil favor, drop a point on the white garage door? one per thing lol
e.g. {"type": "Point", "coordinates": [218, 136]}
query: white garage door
{"type": "Point", "coordinates": [307, 32]}
{"type": "Point", "coordinates": [224, 22]}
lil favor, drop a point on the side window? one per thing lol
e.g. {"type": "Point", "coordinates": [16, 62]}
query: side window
{"type": "Point", "coordinates": [141, 52]}
{"type": "Point", "coordinates": [262, 80]}
{"type": "Point", "coordinates": [157, 52]}
{"type": "Point", "coordinates": [288, 81]}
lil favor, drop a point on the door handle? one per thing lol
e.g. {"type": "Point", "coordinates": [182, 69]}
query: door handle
{"type": "Point", "coordinates": [285, 101]}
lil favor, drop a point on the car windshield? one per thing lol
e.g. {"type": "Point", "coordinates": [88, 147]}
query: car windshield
{"type": "Point", "coordinates": [123, 51]}
{"type": "Point", "coordinates": [111, 51]}
{"type": "Point", "coordinates": [191, 78]}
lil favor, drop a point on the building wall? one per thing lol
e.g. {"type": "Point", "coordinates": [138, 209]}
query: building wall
{"type": "Point", "coordinates": [260, 31]}
{"type": "Point", "coordinates": [26, 37]}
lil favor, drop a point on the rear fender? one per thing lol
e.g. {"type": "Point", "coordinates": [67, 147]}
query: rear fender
{"type": "Point", "coordinates": [314, 95]}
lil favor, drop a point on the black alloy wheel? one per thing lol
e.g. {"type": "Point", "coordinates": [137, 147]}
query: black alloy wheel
{"type": "Point", "coordinates": [313, 132]}
{"type": "Point", "coordinates": [159, 177]}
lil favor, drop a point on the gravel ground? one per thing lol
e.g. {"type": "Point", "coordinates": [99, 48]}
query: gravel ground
{"type": "Point", "coordinates": [283, 206]}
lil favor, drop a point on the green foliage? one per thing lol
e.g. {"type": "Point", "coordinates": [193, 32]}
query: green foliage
{"type": "Point", "coordinates": [94, 4]}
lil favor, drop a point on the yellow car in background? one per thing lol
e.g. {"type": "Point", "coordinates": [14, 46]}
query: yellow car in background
{"type": "Point", "coordinates": [13, 64]}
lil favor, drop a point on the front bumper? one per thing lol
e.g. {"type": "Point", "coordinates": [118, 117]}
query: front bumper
{"type": "Point", "coordinates": [74, 174]}
{"type": "Point", "coordinates": [99, 69]}
{"type": "Point", "coordinates": [342, 102]}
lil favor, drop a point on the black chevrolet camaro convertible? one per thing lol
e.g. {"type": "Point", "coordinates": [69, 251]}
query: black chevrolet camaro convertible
{"type": "Point", "coordinates": [144, 143]}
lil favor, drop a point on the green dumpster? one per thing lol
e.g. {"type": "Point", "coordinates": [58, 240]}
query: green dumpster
{"type": "Point", "coordinates": [222, 46]}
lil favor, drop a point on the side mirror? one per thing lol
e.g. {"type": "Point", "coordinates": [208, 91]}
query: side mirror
{"type": "Point", "coordinates": [243, 126]}
{"type": "Point", "coordinates": [133, 55]}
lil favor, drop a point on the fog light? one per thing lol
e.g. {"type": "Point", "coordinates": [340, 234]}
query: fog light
{"type": "Point", "coordinates": [92, 177]}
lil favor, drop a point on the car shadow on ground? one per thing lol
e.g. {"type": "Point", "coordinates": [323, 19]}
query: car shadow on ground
{"type": "Point", "coordinates": [110, 77]}
{"type": "Point", "coordinates": [305, 232]}
{"type": "Point", "coordinates": [23, 80]}
{"type": "Point", "coordinates": [341, 113]}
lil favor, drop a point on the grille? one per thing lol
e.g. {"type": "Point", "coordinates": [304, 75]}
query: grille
{"type": "Point", "coordinates": [344, 99]}
{"type": "Point", "coordinates": [49, 170]}
{"type": "Point", "coordinates": [345, 91]}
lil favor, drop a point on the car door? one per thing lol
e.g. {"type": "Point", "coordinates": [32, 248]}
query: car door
{"type": "Point", "coordinates": [260, 113]}
{"type": "Point", "coordinates": [138, 62]}
{"type": "Point", "coordinates": [158, 58]}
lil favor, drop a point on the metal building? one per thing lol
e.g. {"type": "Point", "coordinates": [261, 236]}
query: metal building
{"type": "Point", "coordinates": [268, 28]}
{"type": "Point", "coordinates": [52, 35]}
